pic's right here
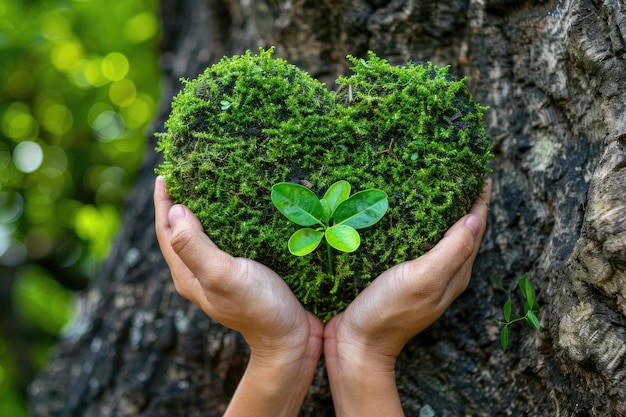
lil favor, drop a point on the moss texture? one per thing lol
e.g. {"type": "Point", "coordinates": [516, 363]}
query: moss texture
{"type": "Point", "coordinates": [252, 120]}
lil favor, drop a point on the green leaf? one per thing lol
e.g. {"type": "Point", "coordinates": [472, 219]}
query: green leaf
{"type": "Point", "coordinates": [507, 310]}
{"type": "Point", "coordinates": [336, 193]}
{"type": "Point", "coordinates": [304, 241]}
{"type": "Point", "coordinates": [504, 337]}
{"type": "Point", "coordinates": [326, 212]}
{"type": "Point", "coordinates": [534, 308]}
{"type": "Point", "coordinates": [363, 209]}
{"type": "Point", "coordinates": [528, 291]}
{"type": "Point", "coordinates": [343, 238]}
{"type": "Point", "coordinates": [532, 320]}
{"type": "Point", "coordinates": [297, 203]}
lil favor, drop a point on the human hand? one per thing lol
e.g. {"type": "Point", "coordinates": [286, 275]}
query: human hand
{"type": "Point", "coordinates": [285, 340]}
{"type": "Point", "coordinates": [362, 343]}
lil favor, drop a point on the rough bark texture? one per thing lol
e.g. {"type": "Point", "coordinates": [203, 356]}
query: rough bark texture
{"type": "Point", "coordinates": [554, 74]}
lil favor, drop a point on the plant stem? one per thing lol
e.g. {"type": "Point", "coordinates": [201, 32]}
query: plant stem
{"type": "Point", "coordinates": [506, 323]}
{"type": "Point", "coordinates": [331, 269]}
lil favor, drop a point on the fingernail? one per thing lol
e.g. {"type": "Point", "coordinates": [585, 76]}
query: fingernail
{"type": "Point", "coordinates": [474, 224]}
{"type": "Point", "coordinates": [176, 212]}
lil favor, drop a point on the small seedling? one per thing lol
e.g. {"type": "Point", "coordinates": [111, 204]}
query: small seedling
{"type": "Point", "coordinates": [531, 308]}
{"type": "Point", "coordinates": [336, 216]}
{"type": "Point", "coordinates": [415, 155]}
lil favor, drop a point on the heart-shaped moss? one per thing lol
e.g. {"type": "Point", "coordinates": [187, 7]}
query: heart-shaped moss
{"type": "Point", "coordinates": [251, 121]}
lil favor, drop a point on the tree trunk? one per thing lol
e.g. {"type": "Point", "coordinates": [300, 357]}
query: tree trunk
{"type": "Point", "coordinates": [554, 74]}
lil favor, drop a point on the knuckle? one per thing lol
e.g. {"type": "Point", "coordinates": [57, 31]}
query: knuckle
{"type": "Point", "coordinates": [458, 242]}
{"type": "Point", "coordinates": [220, 281]}
{"type": "Point", "coordinates": [182, 286]}
{"type": "Point", "coordinates": [212, 268]}
{"type": "Point", "coordinates": [464, 245]}
{"type": "Point", "coordinates": [181, 240]}
{"type": "Point", "coordinates": [421, 280]}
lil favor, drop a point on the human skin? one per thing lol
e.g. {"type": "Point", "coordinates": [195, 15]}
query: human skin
{"type": "Point", "coordinates": [360, 345]}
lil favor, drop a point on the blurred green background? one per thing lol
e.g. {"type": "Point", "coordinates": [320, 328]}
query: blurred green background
{"type": "Point", "coordinates": [79, 84]}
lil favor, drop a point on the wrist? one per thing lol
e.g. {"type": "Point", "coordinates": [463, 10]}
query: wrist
{"type": "Point", "coordinates": [278, 377]}
{"type": "Point", "coordinates": [296, 351]}
{"type": "Point", "coordinates": [363, 383]}
{"type": "Point", "coordinates": [272, 388]}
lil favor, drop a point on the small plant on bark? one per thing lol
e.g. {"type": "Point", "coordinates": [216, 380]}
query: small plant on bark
{"type": "Point", "coordinates": [531, 309]}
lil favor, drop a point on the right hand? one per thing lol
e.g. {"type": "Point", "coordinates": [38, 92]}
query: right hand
{"type": "Point", "coordinates": [285, 340]}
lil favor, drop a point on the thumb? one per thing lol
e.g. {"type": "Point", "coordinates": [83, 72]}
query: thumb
{"type": "Point", "coordinates": [457, 246]}
{"type": "Point", "coordinates": [197, 251]}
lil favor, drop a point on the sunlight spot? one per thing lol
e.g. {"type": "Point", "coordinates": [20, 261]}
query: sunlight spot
{"type": "Point", "coordinates": [141, 27]}
{"type": "Point", "coordinates": [115, 66]}
{"type": "Point", "coordinates": [18, 122]}
{"type": "Point", "coordinates": [27, 156]}
{"type": "Point", "coordinates": [66, 55]}
{"type": "Point", "coordinates": [108, 126]}
{"type": "Point", "coordinates": [123, 92]}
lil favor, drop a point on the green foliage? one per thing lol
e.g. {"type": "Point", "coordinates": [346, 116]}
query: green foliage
{"type": "Point", "coordinates": [298, 204]}
{"type": "Point", "coordinates": [337, 214]}
{"type": "Point", "coordinates": [531, 309]}
{"type": "Point", "coordinates": [252, 121]}
{"type": "Point", "coordinates": [77, 94]}
{"type": "Point", "coordinates": [41, 301]}
{"type": "Point", "coordinates": [79, 84]}
{"type": "Point", "coordinates": [347, 214]}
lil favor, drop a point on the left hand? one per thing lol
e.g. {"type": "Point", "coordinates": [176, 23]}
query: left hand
{"type": "Point", "coordinates": [361, 344]}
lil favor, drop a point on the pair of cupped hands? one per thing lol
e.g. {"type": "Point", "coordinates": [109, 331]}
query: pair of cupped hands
{"type": "Point", "coordinates": [360, 345]}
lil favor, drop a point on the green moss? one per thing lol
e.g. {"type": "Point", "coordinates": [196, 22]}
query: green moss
{"type": "Point", "coordinates": [251, 121]}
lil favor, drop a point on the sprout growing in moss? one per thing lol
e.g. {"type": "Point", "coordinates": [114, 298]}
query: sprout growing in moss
{"type": "Point", "coordinates": [252, 121]}
{"type": "Point", "coordinates": [336, 215]}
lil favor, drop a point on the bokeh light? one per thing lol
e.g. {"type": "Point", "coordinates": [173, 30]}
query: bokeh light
{"type": "Point", "coordinates": [18, 122]}
{"type": "Point", "coordinates": [57, 118]}
{"type": "Point", "coordinates": [123, 92]}
{"type": "Point", "coordinates": [139, 112]}
{"type": "Point", "coordinates": [108, 126]}
{"type": "Point", "coordinates": [79, 84]}
{"type": "Point", "coordinates": [28, 156]}
{"type": "Point", "coordinates": [66, 54]}
{"type": "Point", "coordinates": [115, 66]}
{"type": "Point", "coordinates": [55, 26]}
{"type": "Point", "coordinates": [141, 27]}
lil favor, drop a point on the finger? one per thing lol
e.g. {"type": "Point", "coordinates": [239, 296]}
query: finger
{"type": "Point", "coordinates": [212, 266]}
{"type": "Point", "coordinates": [445, 260]}
{"type": "Point", "coordinates": [480, 208]}
{"type": "Point", "coordinates": [449, 263]}
{"type": "Point", "coordinates": [188, 251]}
{"type": "Point", "coordinates": [476, 221]}
{"type": "Point", "coordinates": [184, 280]}
{"type": "Point", "coordinates": [163, 202]}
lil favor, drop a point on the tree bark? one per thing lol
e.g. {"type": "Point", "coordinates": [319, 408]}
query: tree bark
{"type": "Point", "coordinates": [554, 74]}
